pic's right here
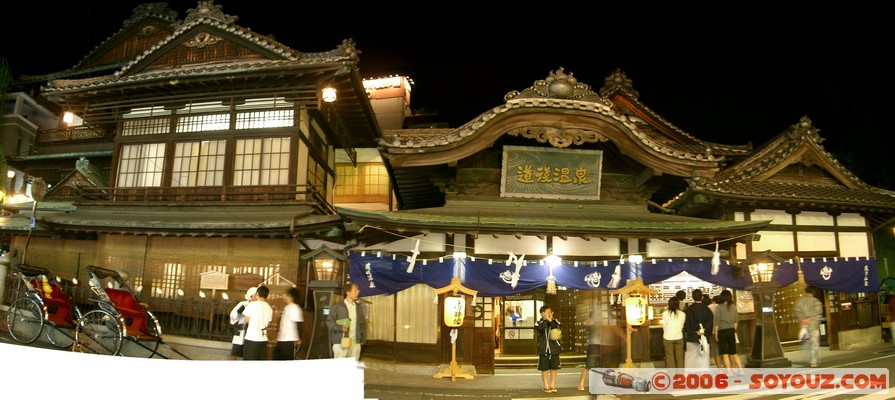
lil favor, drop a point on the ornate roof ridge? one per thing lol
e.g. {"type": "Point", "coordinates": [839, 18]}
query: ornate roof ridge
{"type": "Point", "coordinates": [147, 10]}
{"type": "Point", "coordinates": [619, 81]}
{"type": "Point", "coordinates": [74, 84]}
{"type": "Point", "coordinates": [779, 148]}
{"type": "Point", "coordinates": [449, 136]}
{"type": "Point", "coordinates": [209, 14]}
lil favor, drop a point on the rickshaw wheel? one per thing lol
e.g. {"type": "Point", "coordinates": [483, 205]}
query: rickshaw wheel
{"type": "Point", "coordinates": [25, 320]}
{"type": "Point", "coordinates": [99, 332]}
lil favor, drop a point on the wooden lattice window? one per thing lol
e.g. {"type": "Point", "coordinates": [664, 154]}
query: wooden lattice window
{"type": "Point", "coordinates": [141, 165]}
{"type": "Point", "coordinates": [262, 161]}
{"type": "Point", "coordinates": [199, 163]}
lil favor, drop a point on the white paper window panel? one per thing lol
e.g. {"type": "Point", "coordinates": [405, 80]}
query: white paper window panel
{"type": "Point", "coordinates": [432, 242]}
{"type": "Point", "coordinates": [741, 251]}
{"type": "Point", "coordinates": [817, 241]}
{"type": "Point", "coordinates": [774, 241]}
{"type": "Point", "coordinates": [661, 248]}
{"type": "Point", "coordinates": [365, 155]}
{"type": "Point", "coordinates": [814, 218]}
{"type": "Point", "coordinates": [416, 319]}
{"type": "Point", "coordinates": [850, 219]}
{"type": "Point", "coordinates": [579, 247]}
{"type": "Point", "coordinates": [853, 244]}
{"type": "Point", "coordinates": [739, 216]}
{"type": "Point", "coordinates": [487, 244]}
{"type": "Point", "coordinates": [381, 325]}
{"type": "Point", "coordinates": [777, 217]}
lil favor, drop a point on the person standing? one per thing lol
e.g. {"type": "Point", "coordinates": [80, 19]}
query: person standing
{"type": "Point", "coordinates": [592, 358]}
{"type": "Point", "coordinates": [257, 316]}
{"type": "Point", "coordinates": [347, 317]}
{"type": "Point", "coordinates": [809, 310]}
{"type": "Point", "coordinates": [713, 343]}
{"type": "Point", "coordinates": [681, 296]}
{"type": "Point", "coordinates": [238, 323]}
{"type": "Point", "coordinates": [725, 331]}
{"type": "Point", "coordinates": [673, 320]}
{"type": "Point", "coordinates": [548, 349]}
{"type": "Point", "coordinates": [288, 338]}
{"type": "Point", "coordinates": [698, 324]}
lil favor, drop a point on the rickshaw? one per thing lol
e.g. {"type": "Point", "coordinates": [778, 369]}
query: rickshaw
{"type": "Point", "coordinates": [118, 317]}
{"type": "Point", "coordinates": [41, 307]}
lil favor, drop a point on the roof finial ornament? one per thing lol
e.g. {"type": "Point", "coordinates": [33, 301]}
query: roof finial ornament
{"type": "Point", "coordinates": [558, 85]}
{"type": "Point", "coordinates": [803, 129]}
{"type": "Point", "coordinates": [207, 9]}
{"type": "Point", "coordinates": [617, 80]}
{"type": "Point", "coordinates": [158, 10]}
{"type": "Point", "coordinates": [349, 48]}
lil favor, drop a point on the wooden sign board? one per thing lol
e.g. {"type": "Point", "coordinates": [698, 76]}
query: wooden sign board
{"type": "Point", "coordinates": [214, 280]}
{"type": "Point", "coordinates": [550, 173]}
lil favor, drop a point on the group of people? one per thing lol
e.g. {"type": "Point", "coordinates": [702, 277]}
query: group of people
{"type": "Point", "coordinates": [702, 331]}
{"type": "Point", "coordinates": [250, 319]}
{"type": "Point", "coordinates": [708, 328]}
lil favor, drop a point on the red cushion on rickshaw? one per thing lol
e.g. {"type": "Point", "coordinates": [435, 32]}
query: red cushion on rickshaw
{"type": "Point", "coordinates": [128, 307]}
{"type": "Point", "coordinates": [125, 303]}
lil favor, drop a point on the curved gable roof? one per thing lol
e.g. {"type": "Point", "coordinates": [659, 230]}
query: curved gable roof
{"type": "Point", "coordinates": [560, 111]}
{"type": "Point", "coordinates": [148, 24]}
{"type": "Point", "coordinates": [755, 178]}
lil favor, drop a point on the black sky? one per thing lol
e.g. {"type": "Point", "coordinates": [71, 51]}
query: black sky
{"type": "Point", "coordinates": [730, 76]}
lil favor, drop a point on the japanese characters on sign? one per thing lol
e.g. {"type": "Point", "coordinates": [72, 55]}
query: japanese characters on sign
{"type": "Point", "coordinates": [454, 311]}
{"type": "Point", "coordinates": [538, 172]}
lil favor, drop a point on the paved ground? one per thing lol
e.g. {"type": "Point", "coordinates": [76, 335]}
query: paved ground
{"type": "Point", "coordinates": [526, 383]}
{"type": "Point", "coordinates": [391, 381]}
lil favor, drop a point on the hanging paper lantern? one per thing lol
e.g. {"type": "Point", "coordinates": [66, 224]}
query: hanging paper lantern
{"type": "Point", "coordinates": [454, 311]}
{"type": "Point", "coordinates": [635, 310]}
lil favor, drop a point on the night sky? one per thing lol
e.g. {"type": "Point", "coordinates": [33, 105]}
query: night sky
{"type": "Point", "coordinates": [737, 76]}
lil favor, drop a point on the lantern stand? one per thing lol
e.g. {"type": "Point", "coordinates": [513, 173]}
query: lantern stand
{"type": "Point", "coordinates": [633, 287]}
{"type": "Point", "coordinates": [453, 370]}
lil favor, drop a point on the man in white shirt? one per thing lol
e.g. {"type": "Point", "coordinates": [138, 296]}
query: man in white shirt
{"type": "Point", "coordinates": [257, 316]}
{"type": "Point", "coordinates": [356, 326]}
{"type": "Point", "coordinates": [238, 323]}
{"type": "Point", "coordinates": [288, 337]}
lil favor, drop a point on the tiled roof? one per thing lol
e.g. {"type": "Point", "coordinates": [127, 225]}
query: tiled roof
{"type": "Point", "coordinates": [801, 192]}
{"type": "Point", "coordinates": [346, 51]}
{"type": "Point", "coordinates": [433, 138]}
{"type": "Point", "coordinates": [192, 70]}
{"type": "Point", "coordinates": [571, 221]}
{"type": "Point", "coordinates": [747, 178]}
{"type": "Point", "coordinates": [141, 12]}
{"type": "Point", "coordinates": [551, 94]}
{"type": "Point", "coordinates": [619, 82]}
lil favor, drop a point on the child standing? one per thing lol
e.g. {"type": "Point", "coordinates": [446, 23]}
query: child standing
{"type": "Point", "coordinates": [548, 349]}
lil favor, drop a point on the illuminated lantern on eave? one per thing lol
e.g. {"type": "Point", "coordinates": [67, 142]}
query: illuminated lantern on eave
{"type": "Point", "coordinates": [454, 311]}
{"type": "Point", "coordinates": [635, 310]}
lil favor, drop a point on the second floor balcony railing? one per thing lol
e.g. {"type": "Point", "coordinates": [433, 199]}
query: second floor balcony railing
{"type": "Point", "coordinates": [67, 134]}
{"type": "Point", "coordinates": [306, 194]}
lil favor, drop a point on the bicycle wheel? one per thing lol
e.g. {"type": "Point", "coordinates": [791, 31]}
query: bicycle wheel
{"type": "Point", "coordinates": [58, 337]}
{"type": "Point", "coordinates": [99, 332]}
{"type": "Point", "coordinates": [25, 320]}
